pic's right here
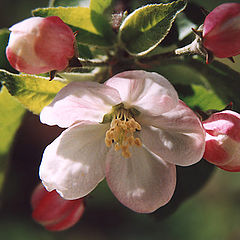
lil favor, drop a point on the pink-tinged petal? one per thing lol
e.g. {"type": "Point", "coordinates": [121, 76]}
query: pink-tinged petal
{"type": "Point", "coordinates": [73, 163]}
{"type": "Point", "coordinates": [20, 50]}
{"type": "Point", "coordinates": [143, 182]}
{"type": "Point", "coordinates": [176, 136]}
{"type": "Point", "coordinates": [223, 152]}
{"type": "Point", "coordinates": [233, 166]}
{"type": "Point", "coordinates": [226, 122]}
{"type": "Point", "coordinates": [80, 101]}
{"type": "Point", "coordinates": [148, 92]}
{"type": "Point", "coordinates": [214, 152]}
{"type": "Point", "coordinates": [27, 25]}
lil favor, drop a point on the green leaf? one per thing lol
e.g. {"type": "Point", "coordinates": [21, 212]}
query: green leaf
{"type": "Point", "coordinates": [147, 26]}
{"type": "Point", "coordinates": [224, 81]}
{"type": "Point", "coordinates": [101, 17]}
{"type": "Point", "coordinates": [34, 92]}
{"type": "Point", "coordinates": [204, 99]}
{"type": "Point", "coordinates": [79, 19]}
{"type": "Point", "coordinates": [4, 35]}
{"type": "Point", "coordinates": [101, 7]}
{"type": "Point", "coordinates": [11, 113]}
{"type": "Point", "coordinates": [67, 3]}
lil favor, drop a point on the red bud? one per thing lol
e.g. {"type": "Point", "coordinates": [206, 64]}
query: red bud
{"type": "Point", "coordinates": [221, 30]}
{"type": "Point", "coordinates": [37, 45]}
{"type": "Point", "coordinates": [223, 140]}
{"type": "Point", "coordinates": [54, 212]}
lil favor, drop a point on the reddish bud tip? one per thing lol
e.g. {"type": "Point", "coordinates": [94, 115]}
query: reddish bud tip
{"type": "Point", "coordinates": [221, 31]}
{"type": "Point", "coordinates": [38, 45]}
{"type": "Point", "coordinates": [54, 212]}
{"type": "Point", "coordinates": [223, 140]}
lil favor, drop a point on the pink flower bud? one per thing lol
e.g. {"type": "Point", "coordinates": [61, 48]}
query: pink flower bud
{"type": "Point", "coordinates": [221, 30]}
{"type": "Point", "coordinates": [54, 212]}
{"type": "Point", "coordinates": [223, 140]}
{"type": "Point", "coordinates": [37, 45]}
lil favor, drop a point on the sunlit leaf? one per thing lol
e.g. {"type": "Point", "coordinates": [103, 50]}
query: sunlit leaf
{"type": "Point", "coordinates": [67, 3]}
{"type": "Point", "coordinates": [101, 16]}
{"type": "Point", "coordinates": [147, 26]}
{"type": "Point", "coordinates": [32, 91]}
{"type": "Point", "coordinates": [11, 113]}
{"type": "Point", "coordinates": [204, 99]}
{"type": "Point", "coordinates": [224, 81]}
{"type": "Point", "coordinates": [79, 19]}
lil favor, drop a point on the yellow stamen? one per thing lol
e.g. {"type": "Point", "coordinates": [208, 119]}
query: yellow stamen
{"type": "Point", "coordinates": [121, 133]}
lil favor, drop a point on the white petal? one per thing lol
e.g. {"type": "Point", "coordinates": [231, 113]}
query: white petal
{"type": "Point", "coordinates": [177, 136]}
{"type": "Point", "coordinates": [80, 101]}
{"type": "Point", "coordinates": [29, 25]}
{"type": "Point", "coordinates": [148, 92]}
{"type": "Point", "coordinates": [143, 182]}
{"type": "Point", "coordinates": [74, 163]}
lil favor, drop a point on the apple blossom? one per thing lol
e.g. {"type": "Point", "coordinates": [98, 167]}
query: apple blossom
{"type": "Point", "coordinates": [54, 212]}
{"type": "Point", "coordinates": [38, 45]}
{"type": "Point", "coordinates": [132, 130]}
{"type": "Point", "coordinates": [223, 140]}
{"type": "Point", "coordinates": [221, 30]}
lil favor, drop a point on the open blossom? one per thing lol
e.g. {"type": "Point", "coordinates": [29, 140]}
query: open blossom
{"type": "Point", "coordinates": [132, 130]}
{"type": "Point", "coordinates": [223, 140]}
{"type": "Point", "coordinates": [54, 212]}
{"type": "Point", "coordinates": [221, 30]}
{"type": "Point", "coordinates": [38, 45]}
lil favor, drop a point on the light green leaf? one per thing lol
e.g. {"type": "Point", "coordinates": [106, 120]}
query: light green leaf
{"type": "Point", "coordinates": [11, 113]}
{"type": "Point", "coordinates": [147, 26]}
{"type": "Point", "coordinates": [79, 19]}
{"type": "Point", "coordinates": [224, 81]}
{"type": "Point", "coordinates": [204, 98]}
{"type": "Point", "coordinates": [100, 7]}
{"type": "Point", "coordinates": [101, 17]}
{"type": "Point", "coordinates": [67, 3]}
{"type": "Point", "coordinates": [32, 91]}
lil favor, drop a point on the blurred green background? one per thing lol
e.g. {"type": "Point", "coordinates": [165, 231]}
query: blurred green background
{"type": "Point", "coordinates": [213, 213]}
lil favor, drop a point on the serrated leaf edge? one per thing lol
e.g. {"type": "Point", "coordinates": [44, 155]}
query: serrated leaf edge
{"type": "Point", "coordinates": [155, 45]}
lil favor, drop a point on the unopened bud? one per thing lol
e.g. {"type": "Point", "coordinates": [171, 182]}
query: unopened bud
{"type": "Point", "coordinates": [221, 30]}
{"type": "Point", "coordinates": [223, 140]}
{"type": "Point", "coordinates": [54, 212]}
{"type": "Point", "coordinates": [38, 45]}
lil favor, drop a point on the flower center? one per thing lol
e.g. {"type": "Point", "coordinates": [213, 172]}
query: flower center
{"type": "Point", "coordinates": [121, 132]}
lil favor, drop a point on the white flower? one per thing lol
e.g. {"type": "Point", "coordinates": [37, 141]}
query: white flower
{"type": "Point", "coordinates": [132, 130]}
